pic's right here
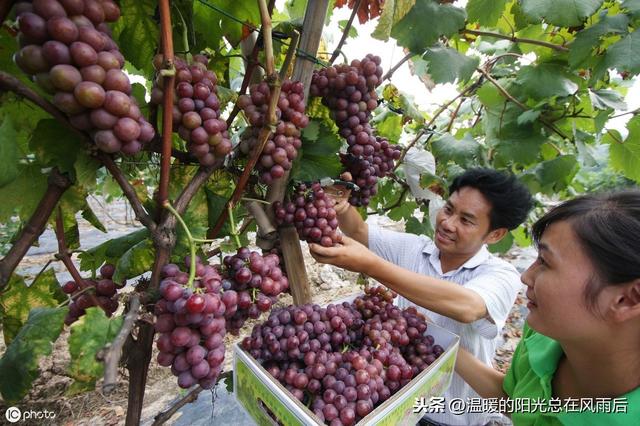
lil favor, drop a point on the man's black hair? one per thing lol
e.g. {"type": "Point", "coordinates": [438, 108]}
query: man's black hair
{"type": "Point", "coordinates": [510, 200]}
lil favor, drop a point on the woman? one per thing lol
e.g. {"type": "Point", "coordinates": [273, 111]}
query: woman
{"type": "Point", "coordinates": [581, 344]}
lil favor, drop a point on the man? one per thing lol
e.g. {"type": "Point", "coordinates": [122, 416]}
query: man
{"type": "Point", "coordinates": [453, 278]}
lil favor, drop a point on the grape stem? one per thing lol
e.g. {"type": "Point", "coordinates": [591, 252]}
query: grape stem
{"type": "Point", "coordinates": [345, 33]}
{"type": "Point", "coordinates": [190, 239]}
{"type": "Point", "coordinates": [232, 224]}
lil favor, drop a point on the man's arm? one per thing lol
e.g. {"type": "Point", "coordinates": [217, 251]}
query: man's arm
{"type": "Point", "coordinates": [485, 380]}
{"type": "Point", "coordinates": [351, 223]}
{"type": "Point", "coordinates": [444, 297]}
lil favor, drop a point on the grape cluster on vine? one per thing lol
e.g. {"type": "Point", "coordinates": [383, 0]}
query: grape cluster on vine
{"type": "Point", "coordinates": [191, 325]}
{"type": "Point", "coordinates": [101, 291]}
{"type": "Point", "coordinates": [196, 109]}
{"type": "Point", "coordinates": [252, 284]}
{"type": "Point", "coordinates": [344, 360]}
{"type": "Point", "coordinates": [311, 211]}
{"type": "Point", "coordinates": [66, 47]}
{"type": "Point", "coordinates": [282, 146]}
{"type": "Point", "coordinates": [349, 92]}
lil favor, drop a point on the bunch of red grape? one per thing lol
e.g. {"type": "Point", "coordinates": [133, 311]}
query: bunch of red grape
{"type": "Point", "coordinates": [191, 324]}
{"type": "Point", "coordinates": [343, 360]}
{"type": "Point", "coordinates": [102, 292]}
{"type": "Point", "coordinates": [66, 47]}
{"type": "Point", "coordinates": [367, 171]}
{"type": "Point", "coordinates": [196, 109]}
{"type": "Point", "coordinates": [282, 146]}
{"type": "Point", "coordinates": [312, 213]}
{"type": "Point", "coordinates": [252, 283]}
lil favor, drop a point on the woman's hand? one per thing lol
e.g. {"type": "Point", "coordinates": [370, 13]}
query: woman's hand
{"type": "Point", "coordinates": [349, 255]}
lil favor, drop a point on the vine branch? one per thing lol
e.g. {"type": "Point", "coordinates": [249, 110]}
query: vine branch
{"type": "Point", "coordinates": [113, 352]}
{"type": "Point", "coordinates": [167, 106]}
{"type": "Point", "coordinates": [345, 33]}
{"type": "Point", "coordinates": [395, 68]}
{"type": "Point", "coordinates": [558, 47]}
{"type": "Point", "coordinates": [162, 417]}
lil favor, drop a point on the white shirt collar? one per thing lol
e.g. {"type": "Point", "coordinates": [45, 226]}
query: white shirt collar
{"type": "Point", "coordinates": [476, 260]}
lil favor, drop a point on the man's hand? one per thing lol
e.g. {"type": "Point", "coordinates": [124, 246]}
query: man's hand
{"type": "Point", "coordinates": [349, 255]}
{"type": "Point", "coordinates": [340, 194]}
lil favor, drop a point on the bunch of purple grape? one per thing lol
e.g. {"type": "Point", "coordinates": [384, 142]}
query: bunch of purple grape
{"type": "Point", "coordinates": [253, 282]}
{"type": "Point", "coordinates": [312, 213]}
{"type": "Point", "coordinates": [102, 291]}
{"type": "Point", "coordinates": [307, 348]}
{"type": "Point", "coordinates": [191, 324]}
{"type": "Point", "coordinates": [66, 47]}
{"type": "Point", "coordinates": [367, 171]}
{"type": "Point", "coordinates": [196, 109]}
{"type": "Point", "coordinates": [283, 144]}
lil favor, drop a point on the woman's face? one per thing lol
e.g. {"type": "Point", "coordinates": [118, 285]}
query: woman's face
{"type": "Point", "coordinates": [556, 284]}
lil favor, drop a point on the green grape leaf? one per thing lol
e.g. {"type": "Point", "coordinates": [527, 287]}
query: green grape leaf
{"type": "Point", "coordinates": [138, 33]}
{"type": "Point", "coordinates": [245, 11]}
{"type": "Point", "coordinates": [446, 65]}
{"type": "Point", "coordinates": [485, 12]}
{"type": "Point", "coordinates": [9, 155]}
{"type": "Point", "coordinates": [419, 227]}
{"type": "Point", "coordinates": [17, 299]}
{"type": "Point", "coordinates": [23, 193]}
{"type": "Point", "coordinates": [625, 156]}
{"type": "Point", "coordinates": [581, 49]}
{"type": "Point", "coordinates": [465, 151]}
{"type": "Point", "coordinates": [563, 13]}
{"type": "Point", "coordinates": [110, 251]}
{"type": "Point", "coordinates": [624, 55]}
{"type": "Point", "coordinates": [352, 30]}
{"type": "Point", "coordinates": [632, 6]}
{"type": "Point", "coordinates": [392, 13]}
{"type": "Point", "coordinates": [503, 245]}
{"type": "Point", "coordinates": [388, 125]}
{"type": "Point", "coordinates": [312, 131]}
{"type": "Point", "coordinates": [546, 81]}
{"type": "Point", "coordinates": [605, 98]}
{"type": "Point", "coordinates": [135, 261]}
{"type": "Point", "coordinates": [54, 145]}
{"type": "Point", "coordinates": [88, 336]}
{"type": "Point", "coordinates": [90, 216]}
{"type": "Point", "coordinates": [19, 364]}
{"type": "Point", "coordinates": [552, 176]}
{"type": "Point", "coordinates": [206, 23]}
{"type": "Point", "coordinates": [425, 23]}
{"type": "Point", "coordinates": [529, 116]}
{"type": "Point", "coordinates": [317, 158]}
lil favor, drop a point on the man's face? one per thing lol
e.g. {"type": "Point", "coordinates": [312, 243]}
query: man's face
{"type": "Point", "coordinates": [462, 225]}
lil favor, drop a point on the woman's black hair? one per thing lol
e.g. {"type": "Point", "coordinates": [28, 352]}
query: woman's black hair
{"type": "Point", "coordinates": [510, 200]}
{"type": "Point", "coordinates": [608, 227]}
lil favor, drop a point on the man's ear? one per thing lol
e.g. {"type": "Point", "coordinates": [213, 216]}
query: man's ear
{"type": "Point", "coordinates": [626, 302]}
{"type": "Point", "coordinates": [495, 235]}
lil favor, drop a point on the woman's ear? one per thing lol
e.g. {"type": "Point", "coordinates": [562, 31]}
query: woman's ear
{"type": "Point", "coordinates": [495, 235]}
{"type": "Point", "coordinates": [626, 302]}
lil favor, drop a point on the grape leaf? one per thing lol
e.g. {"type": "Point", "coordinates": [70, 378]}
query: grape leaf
{"type": "Point", "coordinates": [503, 245]}
{"type": "Point", "coordinates": [18, 298]}
{"type": "Point", "coordinates": [529, 116]}
{"type": "Point", "coordinates": [206, 23]}
{"type": "Point", "coordinates": [9, 155]}
{"type": "Point", "coordinates": [581, 49]}
{"type": "Point", "coordinates": [110, 251]}
{"type": "Point", "coordinates": [317, 158]}
{"type": "Point", "coordinates": [624, 55]}
{"type": "Point", "coordinates": [419, 227]}
{"type": "Point", "coordinates": [546, 81]}
{"type": "Point", "coordinates": [23, 193]}
{"type": "Point", "coordinates": [552, 176]}
{"type": "Point", "coordinates": [465, 151]}
{"type": "Point", "coordinates": [604, 99]}
{"type": "Point", "coordinates": [135, 261]}
{"type": "Point", "coordinates": [485, 12]}
{"type": "Point", "coordinates": [90, 216]}
{"type": "Point", "coordinates": [388, 125]}
{"type": "Point", "coordinates": [446, 65]}
{"type": "Point", "coordinates": [392, 13]}
{"type": "Point", "coordinates": [247, 12]}
{"type": "Point", "coordinates": [425, 23]}
{"type": "Point", "coordinates": [625, 156]}
{"type": "Point", "coordinates": [19, 364]}
{"type": "Point", "coordinates": [54, 145]}
{"type": "Point", "coordinates": [563, 13]}
{"type": "Point", "coordinates": [137, 33]}
{"type": "Point", "coordinates": [88, 336]}
{"type": "Point", "coordinates": [632, 6]}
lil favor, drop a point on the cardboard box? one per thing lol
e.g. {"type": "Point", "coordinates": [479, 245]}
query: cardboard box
{"type": "Point", "coordinates": [270, 403]}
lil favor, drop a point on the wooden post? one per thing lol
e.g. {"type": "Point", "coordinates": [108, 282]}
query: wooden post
{"type": "Point", "coordinates": [289, 241]}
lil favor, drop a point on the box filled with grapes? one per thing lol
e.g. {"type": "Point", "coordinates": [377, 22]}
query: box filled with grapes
{"type": "Point", "coordinates": [361, 361]}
